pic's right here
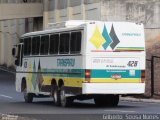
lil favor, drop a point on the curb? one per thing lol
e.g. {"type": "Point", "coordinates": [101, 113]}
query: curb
{"type": "Point", "coordinates": [5, 69]}
{"type": "Point", "coordinates": [139, 100]}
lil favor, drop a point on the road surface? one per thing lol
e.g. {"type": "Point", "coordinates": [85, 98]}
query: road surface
{"type": "Point", "coordinates": [12, 103]}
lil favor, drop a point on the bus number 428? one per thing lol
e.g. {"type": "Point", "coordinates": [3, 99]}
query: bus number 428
{"type": "Point", "coordinates": [132, 63]}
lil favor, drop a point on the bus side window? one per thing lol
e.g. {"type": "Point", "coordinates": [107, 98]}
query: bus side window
{"type": "Point", "coordinates": [44, 45]}
{"type": "Point", "coordinates": [54, 44]}
{"type": "Point", "coordinates": [75, 43]}
{"type": "Point", "coordinates": [18, 56]}
{"type": "Point", "coordinates": [27, 46]}
{"type": "Point", "coordinates": [64, 43]}
{"type": "Point", "coordinates": [35, 45]}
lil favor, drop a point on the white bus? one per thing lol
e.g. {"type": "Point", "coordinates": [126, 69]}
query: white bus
{"type": "Point", "coordinates": [82, 60]}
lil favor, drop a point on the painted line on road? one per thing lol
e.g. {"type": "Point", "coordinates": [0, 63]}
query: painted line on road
{"type": "Point", "coordinates": [112, 110]}
{"type": "Point", "coordinates": [128, 111]}
{"type": "Point", "coordinates": [5, 96]}
{"type": "Point", "coordinates": [119, 111]}
{"type": "Point", "coordinates": [7, 70]}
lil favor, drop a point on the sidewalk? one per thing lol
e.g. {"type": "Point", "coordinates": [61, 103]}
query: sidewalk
{"type": "Point", "coordinates": [131, 99]}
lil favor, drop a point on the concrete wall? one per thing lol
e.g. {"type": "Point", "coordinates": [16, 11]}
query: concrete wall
{"type": "Point", "coordinates": [92, 11]}
{"type": "Point", "coordinates": [113, 10]}
{"type": "Point", "coordinates": [18, 19]}
{"type": "Point", "coordinates": [11, 30]}
{"type": "Point", "coordinates": [20, 10]}
{"type": "Point", "coordinates": [62, 10]}
{"type": "Point", "coordinates": [144, 11]}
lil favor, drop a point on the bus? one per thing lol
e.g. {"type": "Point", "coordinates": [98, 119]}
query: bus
{"type": "Point", "coordinates": [82, 60]}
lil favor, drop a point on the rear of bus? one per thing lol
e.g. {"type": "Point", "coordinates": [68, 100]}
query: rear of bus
{"type": "Point", "coordinates": [115, 59]}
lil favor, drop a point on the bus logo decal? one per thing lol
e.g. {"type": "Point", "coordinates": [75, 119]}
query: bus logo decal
{"type": "Point", "coordinates": [65, 62]}
{"type": "Point", "coordinates": [105, 40]}
{"type": "Point", "coordinates": [106, 37]}
{"type": "Point", "coordinates": [114, 38]}
{"type": "Point", "coordinates": [97, 39]}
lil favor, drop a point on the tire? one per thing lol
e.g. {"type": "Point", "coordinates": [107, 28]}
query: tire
{"type": "Point", "coordinates": [65, 101]}
{"type": "Point", "coordinates": [56, 96]}
{"type": "Point", "coordinates": [115, 100]}
{"type": "Point", "coordinates": [53, 87]}
{"type": "Point", "coordinates": [28, 97]}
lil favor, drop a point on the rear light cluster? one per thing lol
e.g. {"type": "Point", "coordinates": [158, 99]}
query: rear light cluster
{"type": "Point", "coordinates": [143, 76]}
{"type": "Point", "coordinates": [87, 75]}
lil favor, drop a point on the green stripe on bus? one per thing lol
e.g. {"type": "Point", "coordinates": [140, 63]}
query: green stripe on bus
{"type": "Point", "coordinates": [97, 73]}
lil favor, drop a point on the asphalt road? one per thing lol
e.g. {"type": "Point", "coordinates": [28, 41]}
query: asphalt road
{"type": "Point", "coordinates": [12, 103]}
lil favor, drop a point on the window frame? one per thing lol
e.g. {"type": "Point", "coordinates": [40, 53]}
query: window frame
{"type": "Point", "coordinates": [49, 34]}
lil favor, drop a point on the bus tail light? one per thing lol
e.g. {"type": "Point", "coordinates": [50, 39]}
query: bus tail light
{"type": "Point", "coordinates": [143, 76]}
{"type": "Point", "coordinates": [87, 75]}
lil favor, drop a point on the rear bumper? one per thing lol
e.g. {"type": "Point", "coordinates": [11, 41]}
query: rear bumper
{"type": "Point", "coordinates": [113, 88]}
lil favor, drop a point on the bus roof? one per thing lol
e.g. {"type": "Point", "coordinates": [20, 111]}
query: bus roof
{"type": "Point", "coordinates": [66, 25]}
{"type": "Point", "coordinates": [52, 30]}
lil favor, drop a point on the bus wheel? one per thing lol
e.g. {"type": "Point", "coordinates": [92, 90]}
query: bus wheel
{"type": "Point", "coordinates": [28, 97]}
{"type": "Point", "coordinates": [56, 96]}
{"type": "Point", "coordinates": [115, 100]}
{"type": "Point", "coordinates": [65, 101]}
{"type": "Point", "coordinates": [53, 87]}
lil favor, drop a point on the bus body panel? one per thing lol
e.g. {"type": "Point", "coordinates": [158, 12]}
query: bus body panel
{"type": "Point", "coordinates": [113, 88]}
{"type": "Point", "coordinates": [115, 37]}
{"type": "Point", "coordinates": [115, 56]}
{"type": "Point", "coordinates": [40, 73]}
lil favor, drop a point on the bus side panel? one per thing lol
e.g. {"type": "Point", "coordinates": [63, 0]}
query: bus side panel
{"type": "Point", "coordinates": [40, 73]}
